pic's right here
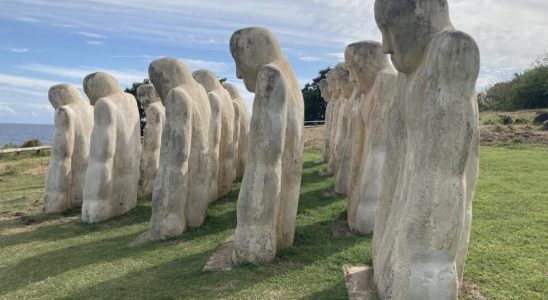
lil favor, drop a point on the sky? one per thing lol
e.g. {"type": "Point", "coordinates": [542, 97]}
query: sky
{"type": "Point", "coordinates": [45, 42]}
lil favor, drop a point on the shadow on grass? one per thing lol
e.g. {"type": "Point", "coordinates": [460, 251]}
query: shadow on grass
{"type": "Point", "coordinates": [183, 277]}
{"type": "Point", "coordinates": [72, 228]}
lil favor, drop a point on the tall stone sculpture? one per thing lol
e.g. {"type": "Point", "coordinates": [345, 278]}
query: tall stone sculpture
{"type": "Point", "coordinates": [326, 96]}
{"type": "Point", "coordinates": [243, 128]}
{"type": "Point", "coordinates": [227, 143]}
{"type": "Point", "coordinates": [346, 142]}
{"type": "Point", "coordinates": [70, 149]}
{"type": "Point", "coordinates": [113, 172]}
{"type": "Point", "coordinates": [376, 80]}
{"type": "Point", "coordinates": [152, 137]}
{"type": "Point", "coordinates": [180, 198]}
{"type": "Point", "coordinates": [268, 200]}
{"type": "Point", "coordinates": [423, 220]}
{"type": "Point", "coordinates": [334, 78]}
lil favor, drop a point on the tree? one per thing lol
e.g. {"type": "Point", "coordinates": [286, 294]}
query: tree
{"type": "Point", "coordinates": [133, 90]}
{"type": "Point", "coordinates": [314, 105]}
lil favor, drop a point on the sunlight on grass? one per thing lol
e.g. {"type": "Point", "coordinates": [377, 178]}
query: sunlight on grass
{"type": "Point", "coordinates": [60, 257]}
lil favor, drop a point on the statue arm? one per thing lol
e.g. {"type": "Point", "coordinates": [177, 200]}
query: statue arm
{"type": "Point", "coordinates": [438, 187]}
{"type": "Point", "coordinates": [272, 97]}
{"type": "Point", "coordinates": [60, 165]}
{"type": "Point", "coordinates": [103, 142]}
{"type": "Point", "coordinates": [216, 122]}
{"type": "Point", "coordinates": [154, 127]}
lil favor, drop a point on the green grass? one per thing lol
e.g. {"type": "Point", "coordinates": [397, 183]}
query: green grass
{"type": "Point", "coordinates": [60, 257]}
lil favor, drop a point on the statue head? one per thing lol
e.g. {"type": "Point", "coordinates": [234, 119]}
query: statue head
{"type": "Point", "coordinates": [63, 94]}
{"type": "Point", "coordinates": [168, 73]}
{"type": "Point", "coordinates": [146, 94]}
{"type": "Point", "coordinates": [232, 90]}
{"type": "Point", "coordinates": [99, 85]}
{"type": "Point", "coordinates": [345, 87]}
{"type": "Point", "coordinates": [251, 49]}
{"type": "Point", "coordinates": [207, 79]}
{"type": "Point", "coordinates": [324, 90]}
{"type": "Point", "coordinates": [333, 84]}
{"type": "Point", "coordinates": [407, 26]}
{"type": "Point", "coordinates": [364, 60]}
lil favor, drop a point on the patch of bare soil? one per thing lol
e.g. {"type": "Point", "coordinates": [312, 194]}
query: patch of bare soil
{"type": "Point", "coordinates": [313, 136]}
{"type": "Point", "coordinates": [470, 291]}
{"type": "Point", "coordinates": [496, 134]}
{"type": "Point", "coordinates": [491, 134]}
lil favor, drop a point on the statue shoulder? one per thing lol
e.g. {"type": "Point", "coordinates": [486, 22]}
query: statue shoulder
{"type": "Point", "coordinates": [270, 72]}
{"type": "Point", "coordinates": [457, 47]}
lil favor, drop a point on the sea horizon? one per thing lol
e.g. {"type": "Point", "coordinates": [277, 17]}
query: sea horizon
{"type": "Point", "coordinates": [18, 133]}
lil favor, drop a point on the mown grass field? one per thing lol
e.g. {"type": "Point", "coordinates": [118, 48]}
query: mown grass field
{"type": "Point", "coordinates": [60, 257]}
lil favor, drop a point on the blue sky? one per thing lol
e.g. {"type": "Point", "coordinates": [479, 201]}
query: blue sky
{"type": "Point", "coordinates": [44, 42]}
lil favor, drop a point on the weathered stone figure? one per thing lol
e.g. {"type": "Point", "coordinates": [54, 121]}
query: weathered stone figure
{"type": "Point", "coordinates": [227, 143]}
{"type": "Point", "coordinates": [268, 200]}
{"type": "Point", "coordinates": [351, 103]}
{"type": "Point", "coordinates": [324, 92]}
{"type": "Point", "coordinates": [423, 220]}
{"type": "Point", "coordinates": [70, 149]}
{"type": "Point", "coordinates": [152, 137]}
{"type": "Point", "coordinates": [243, 128]}
{"type": "Point", "coordinates": [180, 198]}
{"type": "Point", "coordinates": [376, 79]}
{"type": "Point", "coordinates": [335, 78]}
{"type": "Point", "coordinates": [113, 172]}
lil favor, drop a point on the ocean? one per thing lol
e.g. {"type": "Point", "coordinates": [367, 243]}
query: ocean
{"type": "Point", "coordinates": [19, 133]}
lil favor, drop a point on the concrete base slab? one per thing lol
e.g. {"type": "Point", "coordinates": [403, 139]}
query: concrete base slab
{"type": "Point", "coordinates": [141, 239]}
{"type": "Point", "coordinates": [359, 282]}
{"type": "Point", "coordinates": [340, 228]}
{"type": "Point", "coordinates": [324, 173]}
{"type": "Point", "coordinates": [330, 193]}
{"type": "Point", "coordinates": [220, 260]}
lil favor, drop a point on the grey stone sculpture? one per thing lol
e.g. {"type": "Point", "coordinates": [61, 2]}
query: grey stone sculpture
{"type": "Point", "coordinates": [268, 200]}
{"type": "Point", "coordinates": [423, 221]}
{"type": "Point", "coordinates": [243, 136]}
{"type": "Point", "coordinates": [70, 149]}
{"type": "Point", "coordinates": [113, 172]}
{"type": "Point", "coordinates": [152, 137]}
{"type": "Point", "coordinates": [227, 142]}
{"type": "Point", "coordinates": [180, 198]}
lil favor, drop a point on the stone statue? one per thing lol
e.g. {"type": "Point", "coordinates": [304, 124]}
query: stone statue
{"type": "Point", "coordinates": [268, 200]}
{"type": "Point", "coordinates": [335, 78]}
{"type": "Point", "coordinates": [351, 102]}
{"type": "Point", "coordinates": [324, 92]}
{"type": "Point", "coordinates": [180, 198]}
{"type": "Point", "coordinates": [113, 172]}
{"type": "Point", "coordinates": [376, 80]}
{"type": "Point", "coordinates": [70, 149]}
{"type": "Point", "coordinates": [243, 128]}
{"type": "Point", "coordinates": [423, 221]}
{"type": "Point", "coordinates": [227, 143]}
{"type": "Point", "coordinates": [152, 137]}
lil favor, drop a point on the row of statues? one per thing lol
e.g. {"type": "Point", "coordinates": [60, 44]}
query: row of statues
{"type": "Point", "coordinates": [197, 141]}
{"type": "Point", "coordinates": [401, 140]}
{"type": "Point", "coordinates": [403, 146]}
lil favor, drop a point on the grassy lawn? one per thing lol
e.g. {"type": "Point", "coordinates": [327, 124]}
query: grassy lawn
{"type": "Point", "coordinates": [60, 257]}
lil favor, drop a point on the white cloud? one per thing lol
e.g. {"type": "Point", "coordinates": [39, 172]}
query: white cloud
{"type": "Point", "coordinates": [25, 82]}
{"type": "Point", "coordinates": [95, 43]}
{"type": "Point", "coordinates": [91, 35]}
{"type": "Point", "coordinates": [19, 50]}
{"type": "Point", "coordinates": [125, 77]}
{"type": "Point", "coordinates": [6, 109]}
{"type": "Point", "coordinates": [310, 58]}
{"type": "Point", "coordinates": [27, 19]}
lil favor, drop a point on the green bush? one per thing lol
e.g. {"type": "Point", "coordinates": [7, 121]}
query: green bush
{"type": "Point", "coordinates": [31, 143]}
{"type": "Point", "coordinates": [10, 146]}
